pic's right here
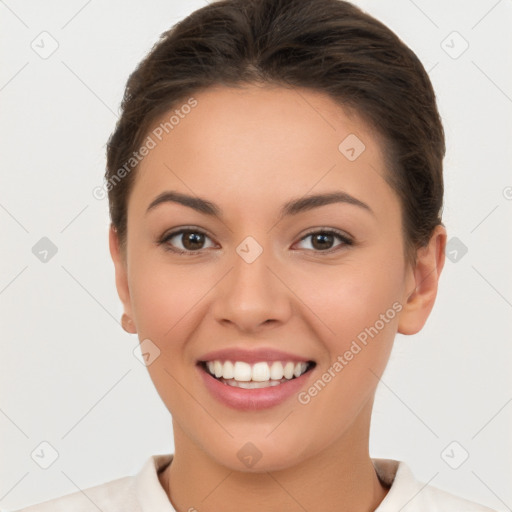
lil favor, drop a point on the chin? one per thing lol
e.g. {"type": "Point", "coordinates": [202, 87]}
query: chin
{"type": "Point", "coordinates": [258, 456]}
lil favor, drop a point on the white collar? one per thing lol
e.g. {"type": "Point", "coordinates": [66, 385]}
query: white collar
{"type": "Point", "coordinates": [404, 489]}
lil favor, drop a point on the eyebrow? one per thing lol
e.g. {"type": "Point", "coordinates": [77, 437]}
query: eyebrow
{"type": "Point", "coordinates": [292, 207]}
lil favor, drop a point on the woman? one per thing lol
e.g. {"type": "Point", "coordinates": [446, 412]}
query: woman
{"type": "Point", "coordinates": [275, 187]}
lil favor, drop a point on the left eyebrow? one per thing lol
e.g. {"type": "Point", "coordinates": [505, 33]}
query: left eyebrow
{"type": "Point", "coordinates": [305, 203]}
{"type": "Point", "coordinates": [292, 207]}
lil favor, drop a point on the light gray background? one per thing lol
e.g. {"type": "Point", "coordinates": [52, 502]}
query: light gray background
{"type": "Point", "coordinates": [68, 373]}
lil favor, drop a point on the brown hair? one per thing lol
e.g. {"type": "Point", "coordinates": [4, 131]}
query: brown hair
{"type": "Point", "coordinates": [330, 46]}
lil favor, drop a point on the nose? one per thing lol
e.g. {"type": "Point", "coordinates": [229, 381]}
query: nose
{"type": "Point", "coordinates": [252, 295]}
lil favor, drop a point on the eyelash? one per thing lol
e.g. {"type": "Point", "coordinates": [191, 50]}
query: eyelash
{"type": "Point", "coordinates": [340, 235]}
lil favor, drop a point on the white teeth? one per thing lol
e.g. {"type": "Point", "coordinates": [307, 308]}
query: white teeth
{"type": "Point", "coordinates": [242, 371]}
{"type": "Point", "coordinates": [276, 370]}
{"type": "Point", "coordinates": [288, 370]}
{"type": "Point", "coordinates": [250, 385]}
{"type": "Point", "coordinates": [228, 370]}
{"type": "Point", "coordinates": [300, 368]}
{"type": "Point", "coordinates": [217, 365]}
{"type": "Point", "coordinates": [261, 372]}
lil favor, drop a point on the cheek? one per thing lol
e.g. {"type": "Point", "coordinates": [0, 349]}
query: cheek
{"type": "Point", "coordinates": [164, 297]}
{"type": "Point", "coordinates": [166, 300]}
{"type": "Point", "coordinates": [361, 306]}
{"type": "Point", "coordinates": [350, 298]}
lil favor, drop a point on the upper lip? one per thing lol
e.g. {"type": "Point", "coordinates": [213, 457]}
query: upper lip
{"type": "Point", "coordinates": [252, 356]}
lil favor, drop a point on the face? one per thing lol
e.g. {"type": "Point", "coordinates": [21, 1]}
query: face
{"type": "Point", "coordinates": [240, 264]}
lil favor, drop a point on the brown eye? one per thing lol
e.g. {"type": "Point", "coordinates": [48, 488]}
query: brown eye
{"type": "Point", "coordinates": [192, 240]}
{"type": "Point", "coordinates": [188, 241]}
{"type": "Point", "coordinates": [324, 240]}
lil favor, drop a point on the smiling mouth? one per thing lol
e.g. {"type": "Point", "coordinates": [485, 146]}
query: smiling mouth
{"type": "Point", "coordinates": [258, 375]}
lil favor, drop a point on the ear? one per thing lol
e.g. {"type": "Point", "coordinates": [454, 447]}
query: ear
{"type": "Point", "coordinates": [123, 290]}
{"type": "Point", "coordinates": [421, 283]}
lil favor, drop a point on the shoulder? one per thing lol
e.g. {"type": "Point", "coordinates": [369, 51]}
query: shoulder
{"type": "Point", "coordinates": [437, 499]}
{"type": "Point", "coordinates": [114, 495]}
{"type": "Point", "coordinates": [141, 492]}
{"type": "Point", "coordinates": [411, 495]}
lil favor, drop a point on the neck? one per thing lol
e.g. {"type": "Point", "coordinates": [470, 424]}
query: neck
{"type": "Point", "coordinates": [341, 477]}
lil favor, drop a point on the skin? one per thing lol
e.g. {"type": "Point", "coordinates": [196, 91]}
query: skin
{"type": "Point", "coordinates": [249, 151]}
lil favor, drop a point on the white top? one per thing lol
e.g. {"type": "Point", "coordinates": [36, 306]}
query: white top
{"type": "Point", "coordinates": [144, 493]}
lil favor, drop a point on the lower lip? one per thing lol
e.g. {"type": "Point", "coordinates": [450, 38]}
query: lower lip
{"type": "Point", "coordinates": [252, 399]}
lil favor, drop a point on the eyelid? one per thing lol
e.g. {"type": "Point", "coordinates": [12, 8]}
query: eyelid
{"type": "Point", "coordinates": [325, 229]}
{"type": "Point", "coordinates": [177, 231]}
{"type": "Point", "coordinates": [164, 239]}
{"type": "Point", "coordinates": [346, 239]}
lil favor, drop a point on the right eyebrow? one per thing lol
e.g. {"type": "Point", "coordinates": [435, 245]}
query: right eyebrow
{"type": "Point", "coordinates": [197, 203]}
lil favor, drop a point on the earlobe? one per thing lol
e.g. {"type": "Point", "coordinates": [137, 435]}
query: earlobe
{"type": "Point", "coordinates": [127, 324]}
{"type": "Point", "coordinates": [419, 298]}
{"type": "Point", "coordinates": [121, 281]}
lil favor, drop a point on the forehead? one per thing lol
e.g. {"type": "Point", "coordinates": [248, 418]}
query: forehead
{"type": "Point", "coordinates": [260, 142]}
